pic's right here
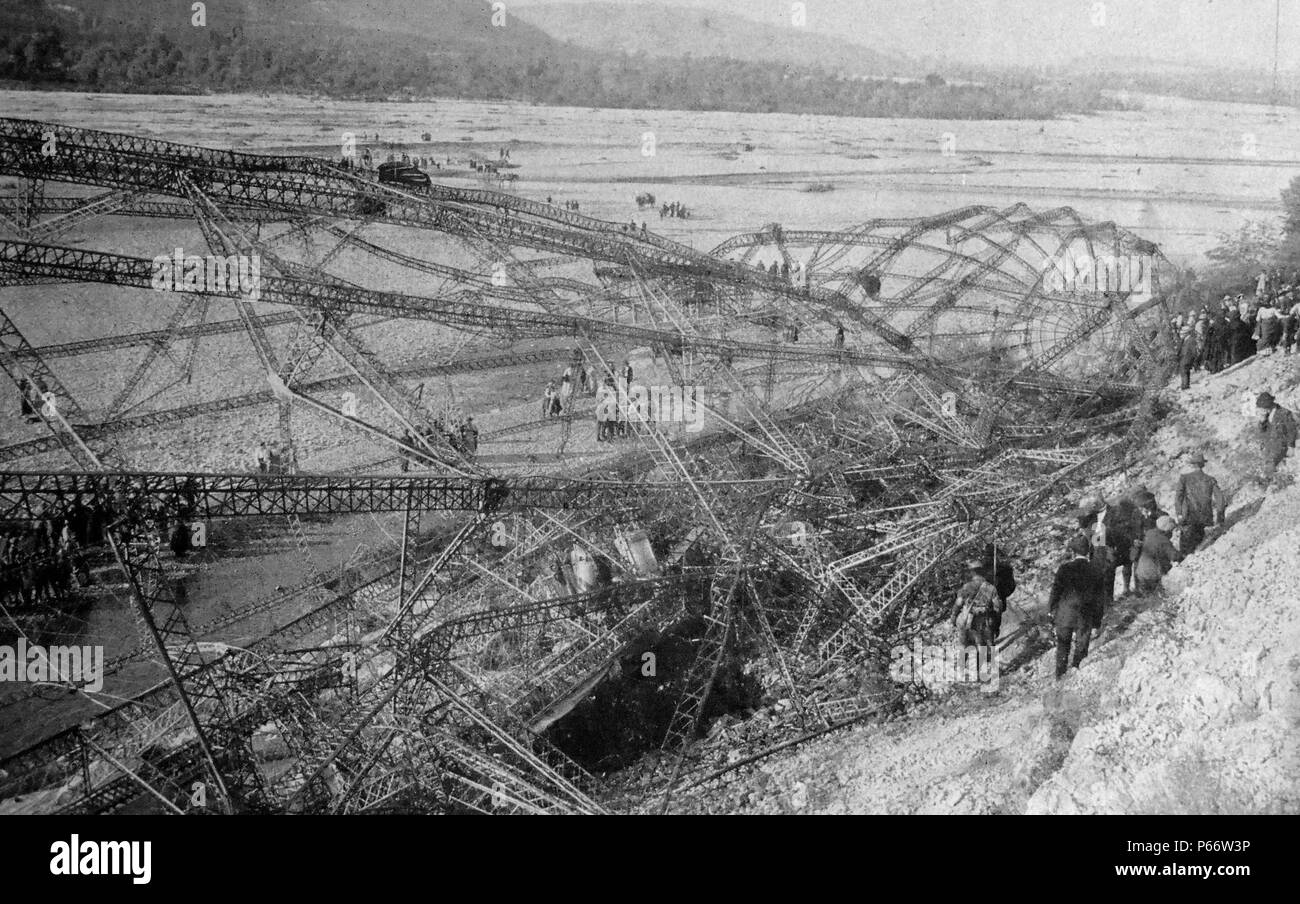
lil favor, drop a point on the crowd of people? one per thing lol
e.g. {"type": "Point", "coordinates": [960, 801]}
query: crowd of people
{"type": "Point", "coordinates": [615, 409]}
{"type": "Point", "coordinates": [455, 428]}
{"type": "Point", "coordinates": [1220, 335]}
{"type": "Point", "coordinates": [42, 562]}
{"type": "Point", "coordinates": [38, 564]}
{"type": "Point", "coordinates": [274, 458]}
{"type": "Point", "coordinates": [366, 161]}
{"type": "Point", "coordinates": [675, 209]}
{"type": "Point", "coordinates": [1130, 538]}
{"type": "Point", "coordinates": [617, 406]}
{"type": "Point", "coordinates": [798, 277]}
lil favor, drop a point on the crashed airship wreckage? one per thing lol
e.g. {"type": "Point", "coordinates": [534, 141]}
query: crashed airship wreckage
{"type": "Point", "coordinates": [819, 427]}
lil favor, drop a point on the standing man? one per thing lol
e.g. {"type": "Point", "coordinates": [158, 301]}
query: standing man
{"type": "Point", "coordinates": [409, 439]}
{"type": "Point", "coordinates": [1076, 605]}
{"type": "Point", "coordinates": [1189, 353]}
{"type": "Point", "coordinates": [1114, 529]}
{"type": "Point", "coordinates": [1003, 573]}
{"type": "Point", "coordinates": [548, 399]}
{"type": "Point", "coordinates": [1212, 356]}
{"type": "Point", "coordinates": [1199, 503]}
{"type": "Point", "coordinates": [25, 400]}
{"type": "Point", "coordinates": [1268, 324]}
{"type": "Point", "coordinates": [606, 402]}
{"type": "Point", "coordinates": [1286, 305]}
{"type": "Point", "coordinates": [262, 457]}
{"type": "Point", "coordinates": [976, 608]}
{"type": "Point", "coordinates": [1231, 321]}
{"type": "Point", "coordinates": [566, 391]}
{"type": "Point", "coordinates": [1243, 347]}
{"type": "Point", "coordinates": [1277, 432]}
{"type": "Point", "coordinates": [1100, 537]}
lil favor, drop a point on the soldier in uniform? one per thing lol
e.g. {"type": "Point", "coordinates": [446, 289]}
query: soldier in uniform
{"type": "Point", "coordinates": [976, 607]}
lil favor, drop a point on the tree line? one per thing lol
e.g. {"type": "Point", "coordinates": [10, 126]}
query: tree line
{"type": "Point", "coordinates": [364, 68]}
{"type": "Point", "coordinates": [1236, 262]}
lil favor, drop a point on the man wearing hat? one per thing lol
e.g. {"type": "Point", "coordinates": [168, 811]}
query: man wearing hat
{"type": "Point", "coordinates": [1212, 355]}
{"type": "Point", "coordinates": [1148, 512]}
{"type": "Point", "coordinates": [1277, 432]}
{"type": "Point", "coordinates": [1231, 325]}
{"type": "Point", "coordinates": [1076, 605]}
{"type": "Point", "coordinates": [1112, 531]}
{"type": "Point", "coordinates": [1199, 503]}
{"type": "Point", "coordinates": [1243, 347]}
{"type": "Point", "coordinates": [1189, 355]}
{"type": "Point", "coordinates": [1093, 533]}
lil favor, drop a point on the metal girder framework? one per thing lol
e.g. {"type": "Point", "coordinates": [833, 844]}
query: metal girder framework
{"type": "Point", "coordinates": [302, 187]}
{"type": "Point", "coordinates": [32, 495]}
{"type": "Point", "coordinates": [74, 265]}
{"type": "Point", "coordinates": [969, 387]}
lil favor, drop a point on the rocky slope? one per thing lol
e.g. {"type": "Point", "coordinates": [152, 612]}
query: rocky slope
{"type": "Point", "coordinates": [1189, 702]}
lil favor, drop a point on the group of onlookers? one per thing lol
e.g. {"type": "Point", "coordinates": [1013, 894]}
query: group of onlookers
{"type": "Point", "coordinates": [1229, 332]}
{"type": "Point", "coordinates": [274, 458]}
{"type": "Point", "coordinates": [36, 567]}
{"type": "Point", "coordinates": [1131, 538]}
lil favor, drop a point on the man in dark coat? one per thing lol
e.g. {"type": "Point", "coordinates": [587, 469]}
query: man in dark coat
{"type": "Point", "coordinates": [25, 400]}
{"type": "Point", "coordinates": [1227, 348]}
{"type": "Point", "coordinates": [1211, 356]}
{"type": "Point", "coordinates": [1199, 503]}
{"type": "Point", "coordinates": [1113, 529]}
{"type": "Point", "coordinates": [999, 566]}
{"type": "Point", "coordinates": [1189, 353]}
{"type": "Point", "coordinates": [179, 539]}
{"type": "Point", "coordinates": [1076, 605]}
{"type": "Point", "coordinates": [1277, 432]}
{"type": "Point", "coordinates": [1244, 346]}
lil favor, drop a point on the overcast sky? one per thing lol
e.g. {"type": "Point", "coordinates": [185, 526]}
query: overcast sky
{"type": "Point", "coordinates": [1223, 32]}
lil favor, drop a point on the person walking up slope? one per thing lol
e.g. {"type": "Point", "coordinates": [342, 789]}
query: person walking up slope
{"type": "Point", "coordinates": [1076, 605]}
{"type": "Point", "coordinates": [1155, 554]}
{"type": "Point", "coordinates": [1199, 503]}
